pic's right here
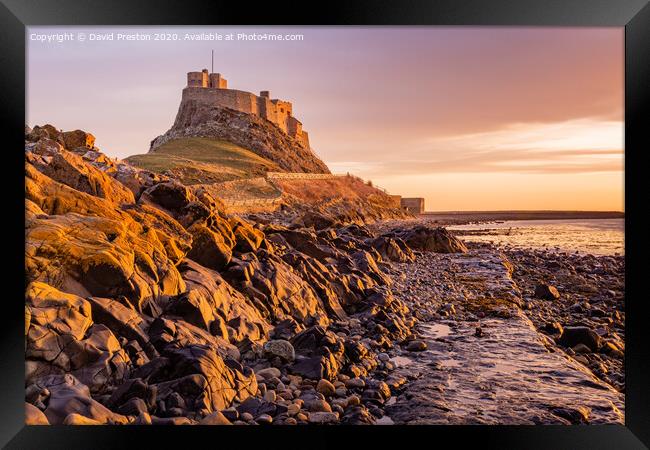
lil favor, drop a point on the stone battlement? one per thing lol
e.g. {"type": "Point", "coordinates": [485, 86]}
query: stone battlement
{"type": "Point", "coordinates": [212, 89]}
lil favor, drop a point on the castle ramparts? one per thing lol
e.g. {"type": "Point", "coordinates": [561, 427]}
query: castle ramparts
{"type": "Point", "coordinates": [212, 88]}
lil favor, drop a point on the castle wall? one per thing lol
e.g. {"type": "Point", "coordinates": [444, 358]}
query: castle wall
{"type": "Point", "coordinates": [211, 89]}
{"type": "Point", "coordinates": [229, 98]}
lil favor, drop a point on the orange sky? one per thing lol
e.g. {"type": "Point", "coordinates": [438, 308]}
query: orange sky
{"type": "Point", "coordinates": [469, 118]}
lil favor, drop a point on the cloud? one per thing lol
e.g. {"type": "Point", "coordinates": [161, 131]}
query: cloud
{"type": "Point", "coordinates": [575, 146]}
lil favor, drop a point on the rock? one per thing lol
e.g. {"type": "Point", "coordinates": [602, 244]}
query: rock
{"type": "Point", "coordinates": [280, 348]}
{"type": "Point", "coordinates": [71, 170]}
{"type": "Point", "coordinates": [269, 372]}
{"type": "Point", "coordinates": [553, 328]}
{"type": "Point", "coordinates": [317, 220]}
{"type": "Point", "coordinates": [215, 418]}
{"type": "Point", "coordinates": [61, 338]}
{"type": "Point", "coordinates": [201, 376]}
{"type": "Point", "coordinates": [264, 419]}
{"type": "Point", "coordinates": [122, 320]}
{"type": "Point", "coordinates": [78, 419]}
{"type": "Point", "coordinates": [277, 291]}
{"type": "Point", "coordinates": [316, 367]}
{"type": "Point", "coordinates": [34, 416]}
{"type": "Point", "coordinates": [69, 396]}
{"type": "Point", "coordinates": [134, 388]}
{"type": "Point", "coordinates": [318, 405]}
{"type": "Point", "coordinates": [247, 417]}
{"type": "Point", "coordinates": [270, 396]}
{"type": "Point", "coordinates": [572, 336]}
{"type": "Point", "coordinates": [610, 348]}
{"type": "Point", "coordinates": [293, 409]}
{"type": "Point", "coordinates": [323, 417]}
{"type": "Point", "coordinates": [247, 238]}
{"type": "Point", "coordinates": [325, 387]}
{"type": "Point", "coordinates": [575, 415]}
{"type": "Point", "coordinates": [355, 383]}
{"type": "Point", "coordinates": [353, 400]}
{"type": "Point", "coordinates": [358, 415]}
{"type": "Point", "coordinates": [416, 346]}
{"type": "Point", "coordinates": [438, 240]}
{"type": "Point", "coordinates": [209, 248]}
{"type": "Point", "coordinates": [393, 249]}
{"type": "Point", "coordinates": [78, 138]}
{"type": "Point", "coordinates": [213, 304]}
{"type": "Point", "coordinates": [133, 407]}
{"type": "Point", "coordinates": [546, 292]}
{"type": "Point", "coordinates": [581, 348]}
{"type": "Point", "coordinates": [256, 407]}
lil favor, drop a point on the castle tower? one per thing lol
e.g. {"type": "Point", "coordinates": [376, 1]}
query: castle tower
{"type": "Point", "coordinates": [265, 94]}
{"type": "Point", "coordinates": [197, 79]}
{"type": "Point", "coordinates": [217, 81]}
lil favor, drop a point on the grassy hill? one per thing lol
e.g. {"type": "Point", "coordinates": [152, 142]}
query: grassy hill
{"type": "Point", "coordinates": [204, 160]}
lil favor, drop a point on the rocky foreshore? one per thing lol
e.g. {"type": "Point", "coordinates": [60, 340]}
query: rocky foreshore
{"type": "Point", "coordinates": [579, 300]}
{"type": "Point", "coordinates": [148, 303]}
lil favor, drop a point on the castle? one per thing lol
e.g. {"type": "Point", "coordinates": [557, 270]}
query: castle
{"type": "Point", "coordinates": [212, 89]}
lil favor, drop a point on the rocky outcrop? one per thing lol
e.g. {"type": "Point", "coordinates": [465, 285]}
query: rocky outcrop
{"type": "Point", "coordinates": [195, 119]}
{"type": "Point", "coordinates": [147, 303]}
{"type": "Point", "coordinates": [438, 240]}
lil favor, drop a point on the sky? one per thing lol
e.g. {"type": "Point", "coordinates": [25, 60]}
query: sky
{"type": "Point", "coordinates": [470, 118]}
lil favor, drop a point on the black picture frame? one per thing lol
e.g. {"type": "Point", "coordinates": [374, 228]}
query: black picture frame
{"type": "Point", "coordinates": [634, 15]}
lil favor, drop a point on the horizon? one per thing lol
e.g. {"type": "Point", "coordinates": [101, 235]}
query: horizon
{"type": "Point", "coordinates": [469, 118]}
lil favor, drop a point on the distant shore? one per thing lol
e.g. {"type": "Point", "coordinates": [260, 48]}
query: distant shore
{"type": "Point", "coordinates": [463, 217]}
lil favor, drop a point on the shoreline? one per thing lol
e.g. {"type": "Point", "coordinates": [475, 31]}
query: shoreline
{"type": "Point", "coordinates": [466, 217]}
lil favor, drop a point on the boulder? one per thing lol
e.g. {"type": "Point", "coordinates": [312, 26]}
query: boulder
{"type": "Point", "coordinates": [212, 384]}
{"type": "Point", "coordinates": [69, 396]}
{"type": "Point", "coordinates": [78, 138]}
{"type": "Point", "coordinates": [438, 240]}
{"type": "Point", "coordinates": [323, 417]}
{"type": "Point", "coordinates": [572, 336]}
{"type": "Point", "coordinates": [213, 304]}
{"type": "Point", "coordinates": [122, 320]}
{"type": "Point", "coordinates": [393, 249]}
{"type": "Point", "coordinates": [101, 256]}
{"type": "Point", "coordinates": [209, 248]}
{"type": "Point", "coordinates": [546, 292]}
{"type": "Point", "coordinates": [34, 416]}
{"type": "Point", "coordinates": [216, 418]}
{"type": "Point", "coordinates": [316, 367]}
{"type": "Point", "coordinates": [61, 338]}
{"type": "Point", "coordinates": [274, 288]}
{"type": "Point", "coordinates": [71, 170]}
{"type": "Point", "coordinates": [280, 348]}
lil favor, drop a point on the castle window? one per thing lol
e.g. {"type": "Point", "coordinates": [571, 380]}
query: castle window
{"type": "Point", "coordinates": [281, 109]}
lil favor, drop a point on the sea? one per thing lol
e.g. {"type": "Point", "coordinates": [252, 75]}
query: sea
{"type": "Point", "coordinates": [585, 236]}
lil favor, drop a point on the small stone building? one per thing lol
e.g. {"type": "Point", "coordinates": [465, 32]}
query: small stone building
{"type": "Point", "coordinates": [413, 205]}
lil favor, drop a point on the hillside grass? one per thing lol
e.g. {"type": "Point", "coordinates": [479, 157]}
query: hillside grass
{"type": "Point", "coordinates": [204, 160]}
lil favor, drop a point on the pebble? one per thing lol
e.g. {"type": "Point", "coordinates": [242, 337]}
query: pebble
{"type": "Point", "coordinates": [264, 419]}
{"type": "Point", "coordinates": [269, 372]}
{"type": "Point", "coordinates": [325, 387]}
{"type": "Point", "coordinates": [270, 396]}
{"type": "Point", "coordinates": [355, 383]}
{"type": "Point", "coordinates": [323, 417]}
{"type": "Point", "coordinates": [416, 346]}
